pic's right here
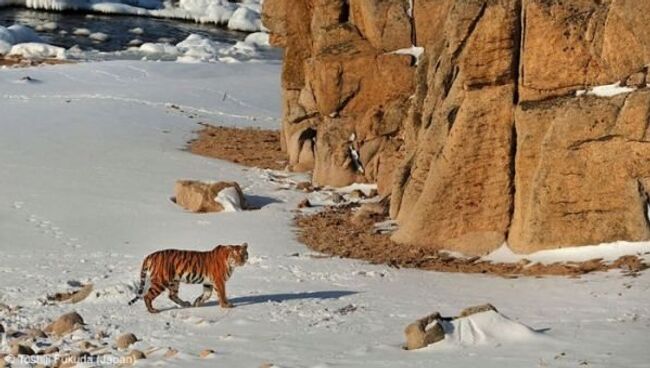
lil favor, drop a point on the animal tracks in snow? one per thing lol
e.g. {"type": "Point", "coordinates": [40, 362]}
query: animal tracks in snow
{"type": "Point", "coordinates": [46, 227]}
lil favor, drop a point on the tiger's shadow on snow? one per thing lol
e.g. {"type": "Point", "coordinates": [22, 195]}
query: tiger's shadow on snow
{"type": "Point", "coordinates": [279, 298]}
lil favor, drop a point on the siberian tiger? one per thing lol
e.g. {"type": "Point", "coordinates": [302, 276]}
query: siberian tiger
{"type": "Point", "coordinates": [166, 269]}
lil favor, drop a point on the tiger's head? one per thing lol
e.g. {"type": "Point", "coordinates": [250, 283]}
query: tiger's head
{"type": "Point", "coordinates": [238, 254]}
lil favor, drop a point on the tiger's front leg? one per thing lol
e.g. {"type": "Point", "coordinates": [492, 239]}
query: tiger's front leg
{"type": "Point", "coordinates": [207, 292]}
{"type": "Point", "coordinates": [173, 295]}
{"type": "Point", "coordinates": [221, 291]}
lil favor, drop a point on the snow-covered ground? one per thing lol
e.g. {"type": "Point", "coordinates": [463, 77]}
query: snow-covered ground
{"type": "Point", "coordinates": [89, 154]}
{"type": "Point", "coordinates": [239, 16]}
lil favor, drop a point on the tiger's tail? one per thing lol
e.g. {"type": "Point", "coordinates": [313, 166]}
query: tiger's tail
{"type": "Point", "coordinates": [143, 281]}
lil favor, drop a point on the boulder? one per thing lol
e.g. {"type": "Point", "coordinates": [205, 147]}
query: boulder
{"type": "Point", "coordinates": [20, 349]}
{"type": "Point", "coordinates": [206, 353]}
{"type": "Point", "coordinates": [65, 324]}
{"type": "Point", "coordinates": [424, 332]}
{"type": "Point", "coordinates": [581, 172]}
{"type": "Point", "coordinates": [134, 356]}
{"type": "Point", "coordinates": [170, 353]}
{"type": "Point", "coordinates": [125, 340]}
{"type": "Point", "coordinates": [199, 197]}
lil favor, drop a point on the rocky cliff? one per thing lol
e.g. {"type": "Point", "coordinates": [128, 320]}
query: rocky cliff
{"type": "Point", "coordinates": [497, 132]}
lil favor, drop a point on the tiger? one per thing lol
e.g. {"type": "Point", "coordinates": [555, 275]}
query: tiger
{"type": "Point", "coordinates": [166, 269]}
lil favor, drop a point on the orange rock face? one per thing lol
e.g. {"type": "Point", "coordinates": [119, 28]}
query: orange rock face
{"type": "Point", "coordinates": [345, 90]}
{"type": "Point", "coordinates": [483, 140]}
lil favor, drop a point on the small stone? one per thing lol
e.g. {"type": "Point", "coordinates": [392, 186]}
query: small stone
{"type": "Point", "coordinates": [636, 80]}
{"type": "Point", "coordinates": [49, 350]}
{"type": "Point", "coordinates": [134, 356]}
{"type": "Point", "coordinates": [357, 194]}
{"type": "Point", "coordinates": [171, 352]}
{"type": "Point", "coordinates": [125, 340]}
{"type": "Point", "coordinates": [19, 349]}
{"type": "Point", "coordinates": [206, 353]}
{"type": "Point", "coordinates": [87, 345]}
{"type": "Point", "coordinates": [35, 333]}
{"type": "Point", "coordinates": [65, 324]}
{"type": "Point", "coordinates": [304, 203]}
{"type": "Point", "coordinates": [337, 198]}
{"type": "Point", "coordinates": [267, 365]}
{"type": "Point", "coordinates": [305, 186]}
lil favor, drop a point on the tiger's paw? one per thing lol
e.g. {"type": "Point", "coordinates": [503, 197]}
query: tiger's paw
{"type": "Point", "coordinates": [186, 304]}
{"type": "Point", "coordinates": [153, 311]}
{"type": "Point", "coordinates": [226, 305]}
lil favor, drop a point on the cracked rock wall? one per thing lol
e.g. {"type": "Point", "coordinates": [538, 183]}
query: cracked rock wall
{"type": "Point", "coordinates": [486, 140]}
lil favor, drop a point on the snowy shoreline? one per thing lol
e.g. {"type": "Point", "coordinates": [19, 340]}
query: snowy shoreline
{"type": "Point", "coordinates": [244, 16]}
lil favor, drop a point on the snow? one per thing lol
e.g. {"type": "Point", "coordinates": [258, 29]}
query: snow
{"type": "Point", "coordinates": [37, 51]}
{"type": "Point", "coordinates": [608, 90]}
{"type": "Point", "coordinates": [608, 252]}
{"type": "Point", "coordinates": [241, 16]}
{"type": "Point", "coordinates": [245, 19]}
{"type": "Point", "coordinates": [415, 51]}
{"type": "Point", "coordinates": [81, 32]}
{"type": "Point", "coordinates": [98, 36]}
{"type": "Point", "coordinates": [486, 328]}
{"type": "Point", "coordinates": [90, 153]}
{"type": "Point", "coordinates": [229, 199]}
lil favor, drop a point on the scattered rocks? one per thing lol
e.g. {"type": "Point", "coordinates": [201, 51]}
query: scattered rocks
{"type": "Point", "coordinates": [125, 340]}
{"type": "Point", "coordinates": [65, 324]}
{"type": "Point", "coordinates": [196, 196]}
{"type": "Point", "coordinates": [206, 353]}
{"type": "Point", "coordinates": [419, 334]}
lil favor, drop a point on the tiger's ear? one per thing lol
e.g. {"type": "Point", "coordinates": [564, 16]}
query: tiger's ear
{"type": "Point", "coordinates": [245, 246]}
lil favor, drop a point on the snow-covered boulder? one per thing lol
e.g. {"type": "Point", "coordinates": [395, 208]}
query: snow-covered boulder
{"type": "Point", "coordinates": [245, 19]}
{"type": "Point", "coordinates": [37, 51]}
{"type": "Point", "coordinates": [16, 34]}
{"type": "Point", "coordinates": [197, 196]}
{"type": "Point", "coordinates": [479, 325]}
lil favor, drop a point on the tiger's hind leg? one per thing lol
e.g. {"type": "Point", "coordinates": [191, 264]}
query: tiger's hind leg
{"type": "Point", "coordinates": [154, 291]}
{"type": "Point", "coordinates": [207, 292]}
{"type": "Point", "coordinates": [173, 295]}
